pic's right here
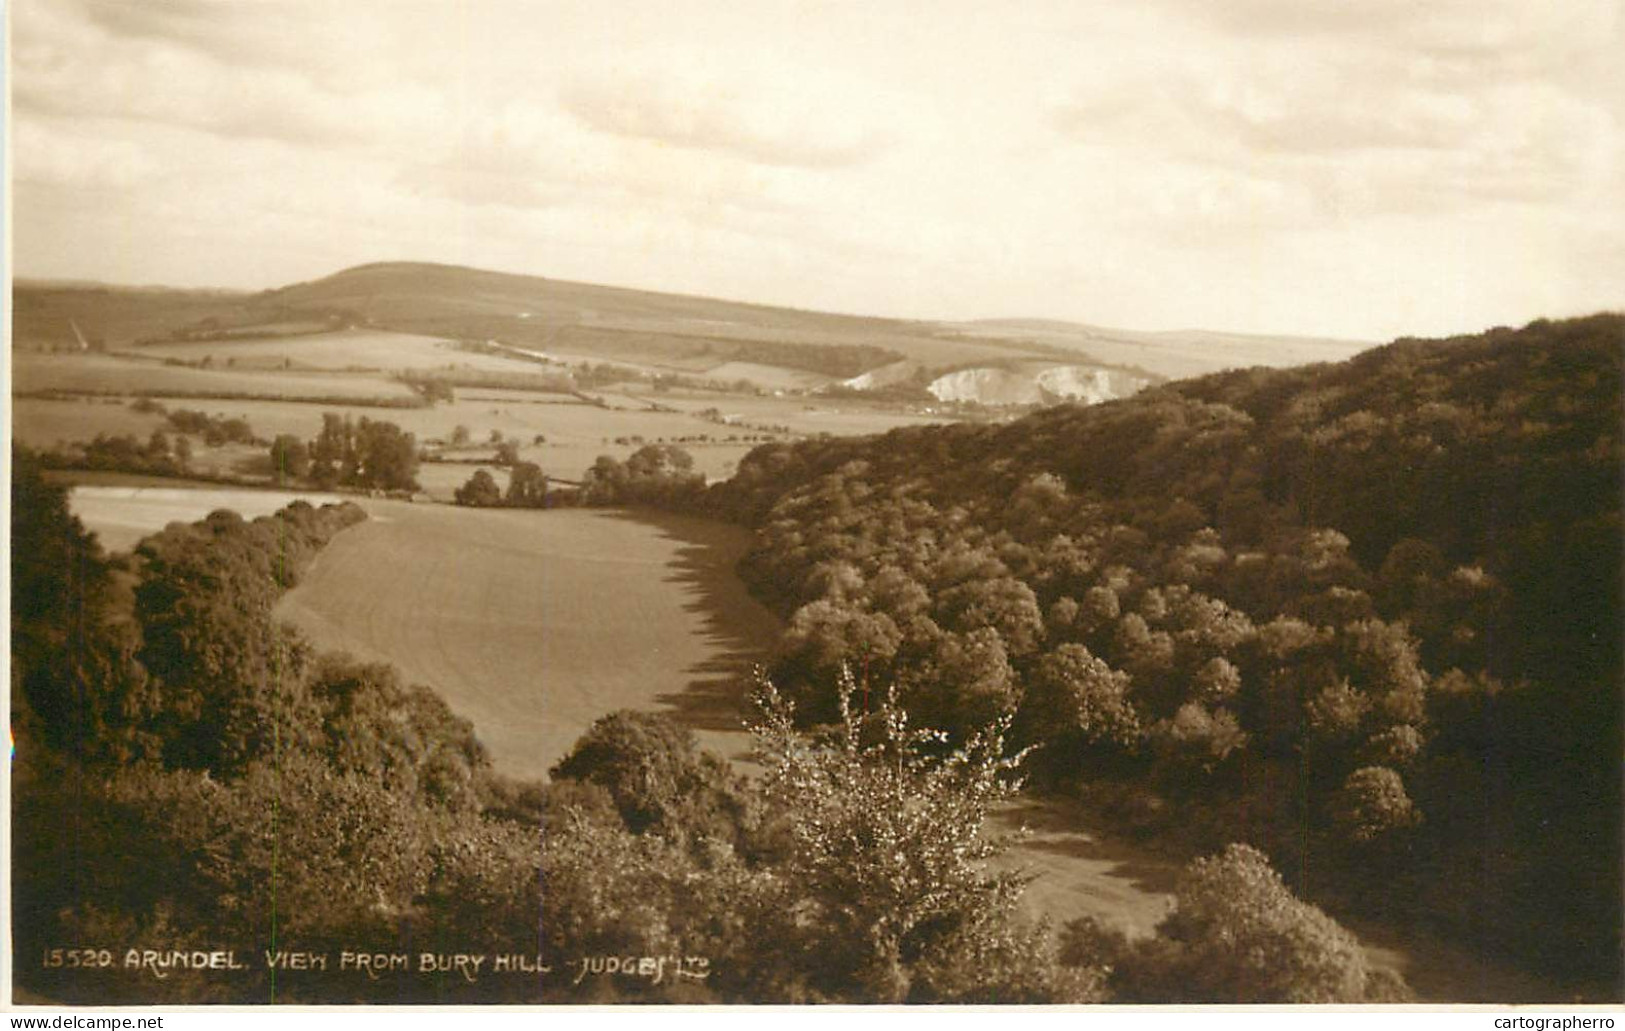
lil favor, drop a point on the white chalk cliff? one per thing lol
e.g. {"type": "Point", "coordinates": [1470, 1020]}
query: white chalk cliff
{"type": "Point", "coordinates": [994, 386]}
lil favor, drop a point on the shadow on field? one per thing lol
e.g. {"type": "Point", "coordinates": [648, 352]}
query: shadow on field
{"type": "Point", "coordinates": [737, 627]}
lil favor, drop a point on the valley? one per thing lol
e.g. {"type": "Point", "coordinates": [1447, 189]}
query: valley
{"type": "Point", "coordinates": [531, 625]}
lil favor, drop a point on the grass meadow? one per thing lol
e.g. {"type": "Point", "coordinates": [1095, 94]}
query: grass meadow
{"type": "Point", "coordinates": [532, 624]}
{"type": "Point", "coordinates": [121, 515]}
{"type": "Point", "coordinates": [346, 349]}
{"type": "Point", "coordinates": [115, 374]}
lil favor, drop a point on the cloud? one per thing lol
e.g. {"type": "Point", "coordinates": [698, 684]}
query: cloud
{"type": "Point", "coordinates": [67, 67]}
{"type": "Point", "coordinates": [319, 39]}
{"type": "Point", "coordinates": [520, 156]}
{"type": "Point", "coordinates": [761, 120]}
{"type": "Point", "coordinates": [199, 23]}
{"type": "Point", "coordinates": [1362, 131]}
{"type": "Point", "coordinates": [1497, 27]}
{"type": "Point", "coordinates": [245, 71]}
{"type": "Point", "coordinates": [1233, 164]}
{"type": "Point", "coordinates": [93, 164]}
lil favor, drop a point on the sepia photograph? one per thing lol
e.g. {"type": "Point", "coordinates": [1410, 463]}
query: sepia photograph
{"type": "Point", "coordinates": [1057, 503]}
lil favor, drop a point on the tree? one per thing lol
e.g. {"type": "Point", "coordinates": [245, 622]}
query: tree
{"type": "Point", "coordinates": [74, 679]}
{"type": "Point", "coordinates": [527, 486]}
{"type": "Point", "coordinates": [507, 452]}
{"type": "Point", "coordinates": [407, 740]}
{"type": "Point", "coordinates": [1196, 739]}
{"type": "Point", "coordinates": [290, 458]}
{"type": "Point", "coordinates": [481, 491]}
{"type": "Point", "coordinates": [232, 676]}
{"type": "Point", "coordinates": [1005, 604]}
{"type": "Point", "coordinates": [386, 457]}
{"type": "Point", "coordinates": [332, 453]}
{"type": "Point", "coordinates": [1373, 804]}
{"type": "Point", "coordinates": [1076, 694]}
{"type": "Point", "coordinates": [460, 436]}
{"type": "Point", "coordinates": [660, 460]}
{"type": "Point", "coordinates": [965, 683]}
{"type": "Point", "coordinates": [825, 635]}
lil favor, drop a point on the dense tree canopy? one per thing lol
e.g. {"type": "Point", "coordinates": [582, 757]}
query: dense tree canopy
{"type": "Point", "coordinates": [1378, 599]}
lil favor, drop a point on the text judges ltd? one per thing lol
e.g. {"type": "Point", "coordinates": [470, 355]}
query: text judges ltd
{"type": "Point", "coordinates": [471, 966]}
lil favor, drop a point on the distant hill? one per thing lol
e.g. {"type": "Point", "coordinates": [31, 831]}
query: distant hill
{"type": "Point", "coordinates": [1175, 354]}
{"type": "Point", "coordinates": [665, 332]}
{"type": "Point", "coordinates": [43, 313]}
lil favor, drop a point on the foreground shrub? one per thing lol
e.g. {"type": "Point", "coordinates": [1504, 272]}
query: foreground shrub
{"type": "Point", "coordinates": [1237, 935]}
{"type": "Point", "coordinates": [892, 900]}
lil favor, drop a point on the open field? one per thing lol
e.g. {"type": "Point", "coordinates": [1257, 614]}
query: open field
{"type": "Point", "coordinates": [122, 515]}
{"type": "Point", "coordinates": [346, 349]}
{"type": "Point", "coordinates": [840, 417]}
{"type": "Point", "coordinates": [113, 374]}
{"type": "Point", "coordinates": [532, 624]}
{"type": "Point", "coordinates": [44, 423]}
{"type": "Point", "coordinates": [769, 376]}
{"type": "Point", "coordinates": [1078, 872]}
{"type": "Point", "coordinates": [576, 433]}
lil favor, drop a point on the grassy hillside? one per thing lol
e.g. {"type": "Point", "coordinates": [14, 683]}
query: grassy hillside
{"type": "Point", "coordinates": [43, 314]}
{"type": "Point", "coordinates": [506, 614]}
{"type": "Point", "coordinates": [1175, 354]}
{"type": "Point", "coordinates": [659, 332]}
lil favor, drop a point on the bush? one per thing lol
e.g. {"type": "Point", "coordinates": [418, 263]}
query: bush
{"type": "Point", "coordinates": [658, 779]}
{"type": "Point", "coordinates": [887, 862]}
{"type": "Point", "coordinates": [481, 491]}
{"type": "Point", "coordinates": [1238, 935]}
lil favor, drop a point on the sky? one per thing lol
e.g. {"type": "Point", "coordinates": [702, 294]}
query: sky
{"type": "Point", "coordinates": [1319, 167]}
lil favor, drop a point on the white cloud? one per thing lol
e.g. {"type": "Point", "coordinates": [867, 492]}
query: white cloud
{"type": "Point", "coordinates": [1362, 130]}
{"type": "Point", "coordinates": [1237, 165]}
{"type": "Point", "coordinates": [90, 163]}
{"type": "Point", "coordinates": [782, 119]}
